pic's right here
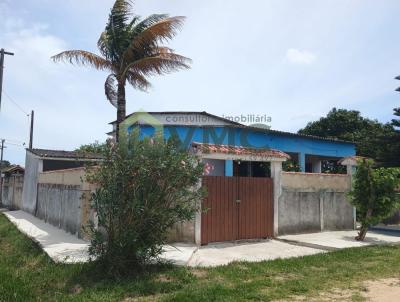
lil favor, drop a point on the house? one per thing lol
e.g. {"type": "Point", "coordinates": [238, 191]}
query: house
{"type": "Point", "coordinates": [307, 151]}
{"type": "Point", "coordinates": [249, 196]}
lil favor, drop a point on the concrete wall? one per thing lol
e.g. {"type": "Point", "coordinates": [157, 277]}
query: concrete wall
{"type": "Point", "coordinates": [63, 200]}
{"type": "Point", "coordinates": [182, 232]}
{"type": "Point", "coordinates": [12, 191]}
{"type": "Point", "coordinates": [59, 205]}
{"type": "Point", "coordinates": [73, 177]}
{"type": "Point", "coordinates": [33, 166]}
{"type": "Point", "coordinates": [314, 202]}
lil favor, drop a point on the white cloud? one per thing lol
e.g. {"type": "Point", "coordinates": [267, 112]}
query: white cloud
{"type": "Point", "coordinates": [298, 56]}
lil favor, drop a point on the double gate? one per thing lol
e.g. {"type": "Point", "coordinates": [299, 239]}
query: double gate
{"type": "Point", "coordinates": [237, 208]}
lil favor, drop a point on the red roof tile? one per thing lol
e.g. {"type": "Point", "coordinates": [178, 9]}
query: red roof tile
{"type": "Point", "coordinates": [238, 150]}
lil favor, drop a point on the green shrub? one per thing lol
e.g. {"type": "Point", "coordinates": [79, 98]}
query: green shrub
{"type": "Point", "coordinates": [144, 188]}
{"type": "Point", "coordinates": [373, 194]}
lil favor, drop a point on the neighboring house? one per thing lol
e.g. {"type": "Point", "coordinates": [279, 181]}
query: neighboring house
{"type": "Point", "coordinates": [12, 179]}
{"type": "Point", "coordinates": [41, 160]}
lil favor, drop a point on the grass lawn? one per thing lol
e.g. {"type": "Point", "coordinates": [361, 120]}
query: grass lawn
{"type": "Point", "coordinates": [27, 274]}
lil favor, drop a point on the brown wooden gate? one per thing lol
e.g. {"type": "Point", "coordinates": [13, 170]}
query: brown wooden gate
{"type": "Point", "coordinates": [237, 208]}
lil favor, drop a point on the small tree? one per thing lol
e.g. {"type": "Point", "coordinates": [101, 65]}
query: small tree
{"type": "Point", "coordinates": [373, 194]}
{"type": "Point", "coordinates": [96, 147]}
{"type": "Point", "coordinates": [144, 188]}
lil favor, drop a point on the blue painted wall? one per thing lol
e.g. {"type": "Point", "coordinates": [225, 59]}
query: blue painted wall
{"type": "Point", "coordinates": [256, 139]}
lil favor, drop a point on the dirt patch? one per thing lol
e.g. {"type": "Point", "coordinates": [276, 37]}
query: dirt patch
{"type": "Point", "coordinates": [200, 273]}
{"type": "Point", "coordinates": [333, 295]}
{"type": "Point", "coordinates": [284, 277]}
{"type": "Point", "coordinates": [387, 290]}
{"type": "Point", "coordinates": [77, 289]}
{"type": "Point", "coordinates": [164, 278]}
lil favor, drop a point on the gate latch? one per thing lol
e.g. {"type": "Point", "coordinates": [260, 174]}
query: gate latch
{"type": "Point", "coordinates": [238, 200]}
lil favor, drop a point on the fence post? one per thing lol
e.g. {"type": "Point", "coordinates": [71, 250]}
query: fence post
{"type": "Point", "coordinates": [321, 209]}
{"type": "Point", "coordinates": [351, 166]}
{"type": "Point", "coordinates": [276, 175]}
{"type": "Point", "coordinates": [197, 219]}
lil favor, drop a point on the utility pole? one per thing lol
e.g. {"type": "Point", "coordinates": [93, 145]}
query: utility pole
{"type": "Point", "coordinates": [2, 53]}
{"type": "Point", "coordinates": [31, 130]}
{"type": "Point", "coordinates": [2, 147]}
{"type": "Point", "coordinates": [1, 173]}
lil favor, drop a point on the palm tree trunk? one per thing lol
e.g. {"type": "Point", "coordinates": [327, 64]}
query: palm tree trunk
{"type": "Point", "coordinates": [121, 107]}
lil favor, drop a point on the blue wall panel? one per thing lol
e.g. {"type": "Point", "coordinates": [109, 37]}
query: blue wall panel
{"type": "Point", "coordinates": [256, 139]}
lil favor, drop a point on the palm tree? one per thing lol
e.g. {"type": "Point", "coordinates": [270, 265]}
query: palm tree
{"type": "Point", "coordinates": [131, 51]}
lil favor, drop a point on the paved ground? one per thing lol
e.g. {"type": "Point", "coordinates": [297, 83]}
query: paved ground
{"type": "Point", "coordinates": [224, 253]}
{"type": "Point", "coordinates": [58, 244]}
{"type": "Point", "coordinates": [340, 239]}
{"type": "Point", "coordinates": [64, 247]}
{"type": "Point", "coordinates": [67, 248]}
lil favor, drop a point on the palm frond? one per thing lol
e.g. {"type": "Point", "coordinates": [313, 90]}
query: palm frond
{"type": "Point", "coordinates": [103, 44]}
{"type": "Point", "coordinates": [120, 13]}
{"type": "Point", "coordinates": [138, 81]}
{"type": "Point", "coordinates": [160, 64]}
{"type": "Point", "coordinates": [83, 58]}
{"type": "Point", "coordinates": [110, 89]}
{"type": "Point", "coordinates": [160, 31]}
{"type": "Point", "coordinates": [149, 21]}
{"type": "Point", "coordinates": [118, 30]}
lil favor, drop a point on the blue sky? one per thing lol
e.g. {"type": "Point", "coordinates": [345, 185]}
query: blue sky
{"type": "Point", "coordinates": [292, 60]}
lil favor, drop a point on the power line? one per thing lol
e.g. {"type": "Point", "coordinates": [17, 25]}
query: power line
{"type": "Point", "coordinates": [17, 145]}
{"type": "Point", "coordinates": [15, 103]}
{"type": "Point", "coordinates": [13, 142]}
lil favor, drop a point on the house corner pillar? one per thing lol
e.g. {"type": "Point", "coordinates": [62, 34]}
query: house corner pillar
{"type": "Point", "coordinates": [302, 162]}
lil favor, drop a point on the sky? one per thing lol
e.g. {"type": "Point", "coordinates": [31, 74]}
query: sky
{"type": "Point", "coordinates": [290, 60]}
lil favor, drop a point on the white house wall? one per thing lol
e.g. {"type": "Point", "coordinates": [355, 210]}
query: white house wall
{"type": "Point", "coordinates": [33, 166]}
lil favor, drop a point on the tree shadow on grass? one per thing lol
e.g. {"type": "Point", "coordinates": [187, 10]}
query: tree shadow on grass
{"type": "Point", "coordinates": [154, 279]}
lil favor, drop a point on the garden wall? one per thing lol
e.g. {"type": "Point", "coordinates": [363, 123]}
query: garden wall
{"type": "Point", "coordinates": [312, 202]}
{"type": "Point", "coordinates": [12, 191]}
{"type": "Point", "coordinates": [63, 200]}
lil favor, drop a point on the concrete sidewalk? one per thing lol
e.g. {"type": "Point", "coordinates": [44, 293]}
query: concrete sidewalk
{"type": "Point", "coordinates": [58, 244]}
{"type": "Point", "coordinates": [225, 253]}
{"type": "Point", "coordinates": [339, 239]}
{"type": "Point", "coordinates": [67, 248]}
